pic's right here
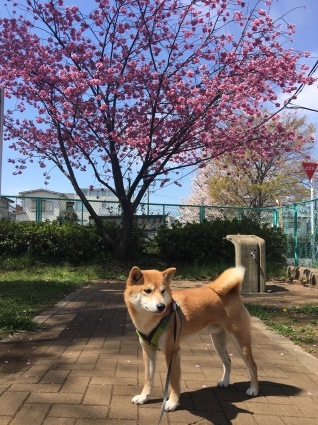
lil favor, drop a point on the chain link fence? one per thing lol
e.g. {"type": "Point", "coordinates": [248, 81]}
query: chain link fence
{"type": "Point", "coordinates": [298, 221]}
{"type": "Point", "coordinates": [299, 224]}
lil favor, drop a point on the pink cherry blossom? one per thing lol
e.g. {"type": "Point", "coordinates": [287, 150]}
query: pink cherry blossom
{"type": "Point", "coordinates": [144, 87]}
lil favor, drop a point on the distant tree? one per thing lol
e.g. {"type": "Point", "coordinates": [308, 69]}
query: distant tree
{"type": "Point", "coordinates": [140, 89]}
{"type": "Point", "coordinates": [251, 179]}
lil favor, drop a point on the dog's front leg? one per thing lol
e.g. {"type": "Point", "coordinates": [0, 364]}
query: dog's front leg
{"type": "Point", "coordinates": [149, 356]}
{"type": "Point", "coordinates": [175, 379]}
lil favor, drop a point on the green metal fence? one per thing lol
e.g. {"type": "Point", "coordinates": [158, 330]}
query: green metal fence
{"type": "Point", "coordinates": [298, 221]}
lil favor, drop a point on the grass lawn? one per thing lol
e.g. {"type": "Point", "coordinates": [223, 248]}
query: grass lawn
{"type": "Point", "coordinates": [298, 323]}
{"type": "Point", "coordinates": [25, 292]}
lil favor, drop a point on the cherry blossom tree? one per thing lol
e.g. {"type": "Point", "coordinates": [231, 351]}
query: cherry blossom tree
{"type": "Point", "coordinates": [249, 179]}
{"type": "Point", "coordinates": [140, 88]}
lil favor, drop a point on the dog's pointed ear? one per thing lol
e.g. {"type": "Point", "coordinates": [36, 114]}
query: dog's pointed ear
{"type": "Point", "coordinates": [169, 273]}
{"type": "Point", "coordinates": [135, 276]}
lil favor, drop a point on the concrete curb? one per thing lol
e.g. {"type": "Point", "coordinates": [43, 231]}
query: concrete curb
{"type": "Point", "coordinates": [309, 275]}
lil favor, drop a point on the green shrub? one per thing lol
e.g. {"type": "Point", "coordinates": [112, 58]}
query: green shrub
{"type": "Point", "coordinates": [205, 243]}
{"type": "Point", "coordinates": [193, 243]}
{"type": "Point", "coordinates": [50, 243]}
{"type": "Point", "coordinates": [68, 242]}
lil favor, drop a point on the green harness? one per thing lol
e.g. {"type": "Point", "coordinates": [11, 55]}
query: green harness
{"type": "Point", "coordinates": [155, 334]}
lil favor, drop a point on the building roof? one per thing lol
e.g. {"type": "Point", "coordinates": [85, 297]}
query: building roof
{"type": "Point", "coordinates": [29, 192]}
{"type": "Point", "coordinates": [6, 199]}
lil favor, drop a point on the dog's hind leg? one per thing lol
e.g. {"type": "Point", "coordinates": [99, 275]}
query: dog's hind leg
{"type": "Point", "coordinates": [149, 356]}
{"type": "Point", "coordinates": [219, 342]}
{"type": "Point", "coordinates": [242, 342]}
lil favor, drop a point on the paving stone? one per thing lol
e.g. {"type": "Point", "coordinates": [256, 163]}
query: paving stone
{"type": "Point", "coordinates": [59, 421]}
{"type": "Point", "coordinates": [295, 421]}
{"type": "Point", "coordinates": [98, 395]}
{"type": "Point", "coordinates": [279, 409]}
{"type": "Point", "coordinates": [36, 388]}
{"type": "Point", "coordinates": [151, 415]}
{"type": "Point", "coordinates": [269, 419]}
{"type": "Point", "coordinates": [10, 402]}
{"type": "Point", "coordinates": [31, 414]}
{"type": "Point", "coordinates": [78, 411]}
{"type": "Point", "coordinates": [55, 377]}
{"type": "Point", "coordinates": [4, 420]}
{"type": "Point", "coordinates": [75, 384]}
{"type": "Point", "coordinates": [3, 388]}
{"type": "Point", "coordinates": [122, 408]}
{"type": "Point", "coordinates": [55, 398]}
{"type": "Point", "coordinates": [247, 419]}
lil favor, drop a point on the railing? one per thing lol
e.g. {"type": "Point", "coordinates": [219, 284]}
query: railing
{"type": "Point", "coordinates": [298, 221]}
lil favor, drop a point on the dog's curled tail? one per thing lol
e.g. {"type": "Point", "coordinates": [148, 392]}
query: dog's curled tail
{"type": "Point", "coordinates": [229, 281]}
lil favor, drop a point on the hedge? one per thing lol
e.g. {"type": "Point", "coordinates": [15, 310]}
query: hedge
{"type": "Point", "coordinates": [51, 243]}
{"type": "Point", "coordinates": [195, 243]}
{"type": "Point", "coordinates": [205, 243]}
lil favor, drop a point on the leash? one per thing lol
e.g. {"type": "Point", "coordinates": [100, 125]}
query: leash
{"type": "Point", "coordinates": [176, 308]}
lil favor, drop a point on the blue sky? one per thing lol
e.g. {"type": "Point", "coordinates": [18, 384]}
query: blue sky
{"type": "Point", "coordinates": [305, 39]}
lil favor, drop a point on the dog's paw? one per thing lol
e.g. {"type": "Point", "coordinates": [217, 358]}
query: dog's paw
{"type": "Point", "coordinates": [252, 392]}
{"type": "Point", "coordinates": [171, 405]}
{"type": "Point", "coordinates": [139, 399]}
{"type": "Point", "coordinates": [223, 384]}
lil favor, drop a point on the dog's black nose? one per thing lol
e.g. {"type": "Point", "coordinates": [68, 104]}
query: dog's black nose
{"type": "Point", "coordinates": [161, 307]}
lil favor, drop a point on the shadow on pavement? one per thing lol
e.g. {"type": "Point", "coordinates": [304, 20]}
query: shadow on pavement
{"type": "Point", "coordinates": [219, 406]}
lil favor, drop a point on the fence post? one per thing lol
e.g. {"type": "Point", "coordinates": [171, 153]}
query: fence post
{"type": "Point", "coordinates": [202, 213]}
{"type": "Point", "coordinates": [82, 213]}
{"type": "Point", "coordinates": [296, 235]}
{"type": "Point", "coordinates": [163, 215]}
{"type": "Point", "coordinates": [38, 210]}
{"type": "Point", "coordinates": [313, 233]}
{"type": "Point", "coordinates": [275, 217]}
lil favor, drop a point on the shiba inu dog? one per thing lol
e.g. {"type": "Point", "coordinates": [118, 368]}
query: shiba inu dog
{"type": "Point", "coordinates": [216, 307]}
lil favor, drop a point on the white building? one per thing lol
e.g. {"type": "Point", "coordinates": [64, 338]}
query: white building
{"type": "Point", "coordinates": [43, 204]}
{"type": "Point", "coordinates": [6, 209]}
{"type": "Point", "coordinates": [104, 202]}
{"type": "Point", "coordinates": [40, 205]}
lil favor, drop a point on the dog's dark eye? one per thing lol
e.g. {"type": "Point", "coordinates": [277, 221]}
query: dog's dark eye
{"type": "Point", "coordinates": [147, 291]}
{"type": "Point", "coordinates": [163, 291]}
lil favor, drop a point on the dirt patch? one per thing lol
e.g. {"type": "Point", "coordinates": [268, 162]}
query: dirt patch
{"type": "Point", "coordinates": [291, 309]}
{"type": "Point", "coordinates": [285, 294]}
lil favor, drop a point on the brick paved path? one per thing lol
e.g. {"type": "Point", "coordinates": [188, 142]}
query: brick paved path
{"type": "Point", "coordinates": [84, 368]}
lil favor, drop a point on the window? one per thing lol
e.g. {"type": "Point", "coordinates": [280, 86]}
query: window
{"type": "Point", "coordinates": [104, 208]}
{"type": "Point", "coordinates": [79, 206]}
{"type": "Point", "coordinates": [98, 192]}
{"type": "Point", "coordinates": [46, 206]}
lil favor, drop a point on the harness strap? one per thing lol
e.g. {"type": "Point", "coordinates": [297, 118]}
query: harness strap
{"type": "Point", "coordinates": [155, 334]}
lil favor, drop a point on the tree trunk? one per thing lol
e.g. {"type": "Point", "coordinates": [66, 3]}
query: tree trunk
{"type": "Point", "coordinates": [124, 249]}
{"type": "Point", "coordinates": [122, 245]}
